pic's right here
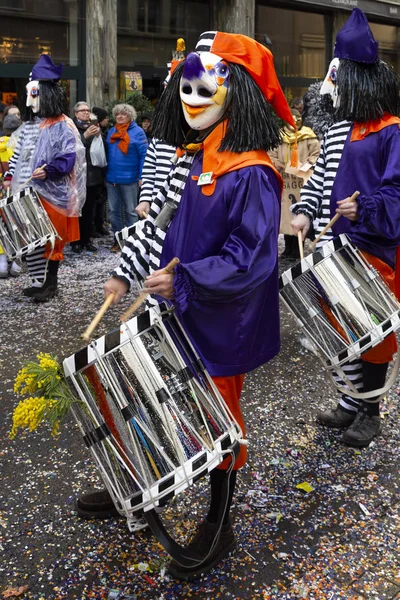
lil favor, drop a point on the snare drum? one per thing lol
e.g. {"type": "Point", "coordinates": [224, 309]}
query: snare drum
{"type": "Point", "coordinates": [150, 415]}
{"type": "Point", "coordinates": [341, 302]}
{"type": "Point", "coordinates": [24, 224]}
{"type": "Point", "coordinates": [124, 234]}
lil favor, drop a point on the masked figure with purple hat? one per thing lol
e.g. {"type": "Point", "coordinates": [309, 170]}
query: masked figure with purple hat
{"type": "Point", "coordinates": [50, 154]}
{"type": "Point", "coordinates": [360, 152]}
{"type": "Point", "coordinates": [219, 212]}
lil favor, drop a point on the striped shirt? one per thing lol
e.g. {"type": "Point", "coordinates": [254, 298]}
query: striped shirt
{"type": "Point", "coordinates": [142, 251]}
{"type": "Point", "coordinates": [20, 164]}
{"type": "Point", "coordinates": [156, 168]}
{"type": "Point", "coordinates": [315, 195]}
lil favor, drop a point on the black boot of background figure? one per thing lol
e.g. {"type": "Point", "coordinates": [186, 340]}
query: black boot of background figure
{"type": "Point", "coordinates": [295, 253]}
{"type": "Point", "coordinates": [367, 424]}
{"type": "Point", "coordinates": [288, 246]}
{"type": "Point", "coordinates": [50, 287]}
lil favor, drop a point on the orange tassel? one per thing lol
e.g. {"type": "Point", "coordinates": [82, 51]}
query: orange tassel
{"type": "Point", "coordinates": [294, 157]}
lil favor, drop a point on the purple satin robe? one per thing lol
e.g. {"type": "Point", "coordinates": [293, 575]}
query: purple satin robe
{"type": "Point", "coordinates": [226, 285]}
{"type": "Point", "coordinates": [371, 166]}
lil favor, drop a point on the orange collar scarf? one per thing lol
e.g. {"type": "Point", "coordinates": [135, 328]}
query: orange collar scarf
{"type": "Point", "coordinates": [225, 162]}
{"type": "Point", "coordinates": [122, 135]}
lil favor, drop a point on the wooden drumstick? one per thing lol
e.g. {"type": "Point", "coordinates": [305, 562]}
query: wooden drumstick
{"type": "Point", "coordinates": [100, 314]}
{"type": "Point", "coordinates": [144, 214]}
{"type": "Point", "coordinates": [331, 223]}
{"type": "Point", "coordinates": [300, 240]}
{"type": "Point", "coordinates": [133, 307]}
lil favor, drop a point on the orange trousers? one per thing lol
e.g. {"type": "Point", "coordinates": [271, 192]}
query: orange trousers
{"type": "Point", "coordinates": [383, 352]}
{"type": "Point", "coordinates": [230, 389]}
{"type": "Point", "coordinates": [66, 227]}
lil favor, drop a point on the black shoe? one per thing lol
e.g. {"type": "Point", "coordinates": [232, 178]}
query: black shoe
{"type": "Point", "coordinates": [77, 248]}
{"type": "Point", "coordinates": [96, 505]}
{"type": "Point", "coordinates": [49, 289]}
{"type": "Point", "coordinates": [45, 293]}
{"type": "Point", "coordinates": [90, 247]}
{"type": "Point", "coordinates": [363, 430]}
{"type": "Point", "coordinates": [336, 417]}
{"type": "Point", "coordinates": [31, 291]}
{"type": "Point", "coordinates": [200, 547]}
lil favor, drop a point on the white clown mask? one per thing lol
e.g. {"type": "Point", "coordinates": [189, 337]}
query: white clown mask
{"type": "Point", "coordinates": [32, 98]}
{"type": "Point", "coordinates": [204, 89]}
{"type": "Point", "coordinates": [329, 85]}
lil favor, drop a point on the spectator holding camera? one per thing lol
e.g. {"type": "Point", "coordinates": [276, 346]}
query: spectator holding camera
{"type": "Point", "coordinates": [89, 129]}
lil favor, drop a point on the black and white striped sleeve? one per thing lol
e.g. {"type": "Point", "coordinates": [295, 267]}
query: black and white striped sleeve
{"type": "Point", "coordinates": [311, 195]}
{"type": "Point", "coordinates": [149, 173]}
{"type": "Point", "coordinates": [14, 158]}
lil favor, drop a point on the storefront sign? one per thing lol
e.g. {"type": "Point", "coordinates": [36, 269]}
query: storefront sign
{"type": "Point", "coordinates": [130, 82]}
{"type": "Point", "coordinates": [371, 7]}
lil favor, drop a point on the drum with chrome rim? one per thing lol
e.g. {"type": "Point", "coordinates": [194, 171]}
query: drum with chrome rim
{"type": "Point", "coordinates": [340, 301]}
{"type": "Point", "coordinates": [24, 224]}
{"type": "Point", "coordinates": [150, 415]}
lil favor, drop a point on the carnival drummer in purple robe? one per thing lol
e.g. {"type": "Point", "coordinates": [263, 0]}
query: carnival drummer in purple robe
{"type": "Point", "coordinates": [49, 157]}
{"type": "Point", "coordinates": [226, 196]}
{"type": "Point", "coordinates": [361, 153]}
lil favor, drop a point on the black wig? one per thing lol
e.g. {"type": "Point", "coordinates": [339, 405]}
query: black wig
{"type": "Point", "coordinates": [366, 91]}
{"type": "Point", "coordinates": [251, 124]}
{"type": "Point", "coordinates": [319, 113]}
{"type": "Point", "coordinates": [53, 102]}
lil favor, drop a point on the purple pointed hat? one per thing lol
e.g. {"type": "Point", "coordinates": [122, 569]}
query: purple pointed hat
{"type": "Point", "coordinates": [355, 40]}
{"type": "Point", "coordinates": [46, 69]}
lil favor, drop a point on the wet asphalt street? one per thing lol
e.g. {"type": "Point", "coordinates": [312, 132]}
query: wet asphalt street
{"type": "Point", "coordinates": [335, 536]}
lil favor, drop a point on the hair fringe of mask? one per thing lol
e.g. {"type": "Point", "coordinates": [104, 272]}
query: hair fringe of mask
{"type": "Point", "coordinates": [251, 122]}
{"type": "Point", "coordinates": [53, 102]}
{"type": "Point", "coordinates": [366, 91]}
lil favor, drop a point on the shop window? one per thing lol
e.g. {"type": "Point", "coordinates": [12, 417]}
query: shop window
{"type": "Point", "coordinates": [177, 18]}
{"type": "Point", "coordinates": [388, 37]}
{"type": "Point", "coordinates": [12, 4]}
{"type": "Point", "coordinates": [296, 38]}
{"type": "Point", "coordinates": [148, 15]}
{"type": "Point", "coordinates": [22, 40]}
{"type": "Point", "coordinates": [147, 38]}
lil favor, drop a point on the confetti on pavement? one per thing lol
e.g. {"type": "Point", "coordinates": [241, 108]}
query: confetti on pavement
{"type": "Point", "coordinates": [338, 539]}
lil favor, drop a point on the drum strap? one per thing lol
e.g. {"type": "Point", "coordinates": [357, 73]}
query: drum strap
{"type": "Point", "coordinates": [142, 250]}
{"type": "Point", "coordinates": [180, 553]}
{"type": "Point", "coordinates": [375, 394]}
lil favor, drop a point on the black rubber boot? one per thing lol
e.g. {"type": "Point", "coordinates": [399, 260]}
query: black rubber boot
{"type": "Point", "coordinates": [96, 505]}
{"type": "Point", "coordinates": [30, 292]}
{"type": "Point", "coordinates": [288, 245]}
{"type": "Point", "coordinates": [49, 288]}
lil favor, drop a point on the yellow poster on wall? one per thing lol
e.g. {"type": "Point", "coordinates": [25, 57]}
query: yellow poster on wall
{"type": "Point", "coordinates": [130, 81]}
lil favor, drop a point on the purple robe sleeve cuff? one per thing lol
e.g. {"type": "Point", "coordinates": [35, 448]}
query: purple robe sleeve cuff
{"type": "Point", "coordinates": [184, 289]}
{"type": "Point", "coordinates": [60, 166]}
{"type": "Point", "coordinates": [366, 210]}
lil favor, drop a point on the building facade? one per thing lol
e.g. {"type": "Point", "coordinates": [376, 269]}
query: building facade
{"type": "Point", "coordinates": [109, 47]}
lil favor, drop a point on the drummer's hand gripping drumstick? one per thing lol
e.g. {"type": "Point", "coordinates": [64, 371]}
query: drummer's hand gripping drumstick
{"type": "Point", "coordinates": [106, 304]}
{"type": "Point", "coordinates": [331, 223]}
{"type": "Point", "coordinates": [300, 240]}
{"type": "Point", "coordinates": [28, 180]}
{"type": "Point", "coordinates": [133, 307]}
